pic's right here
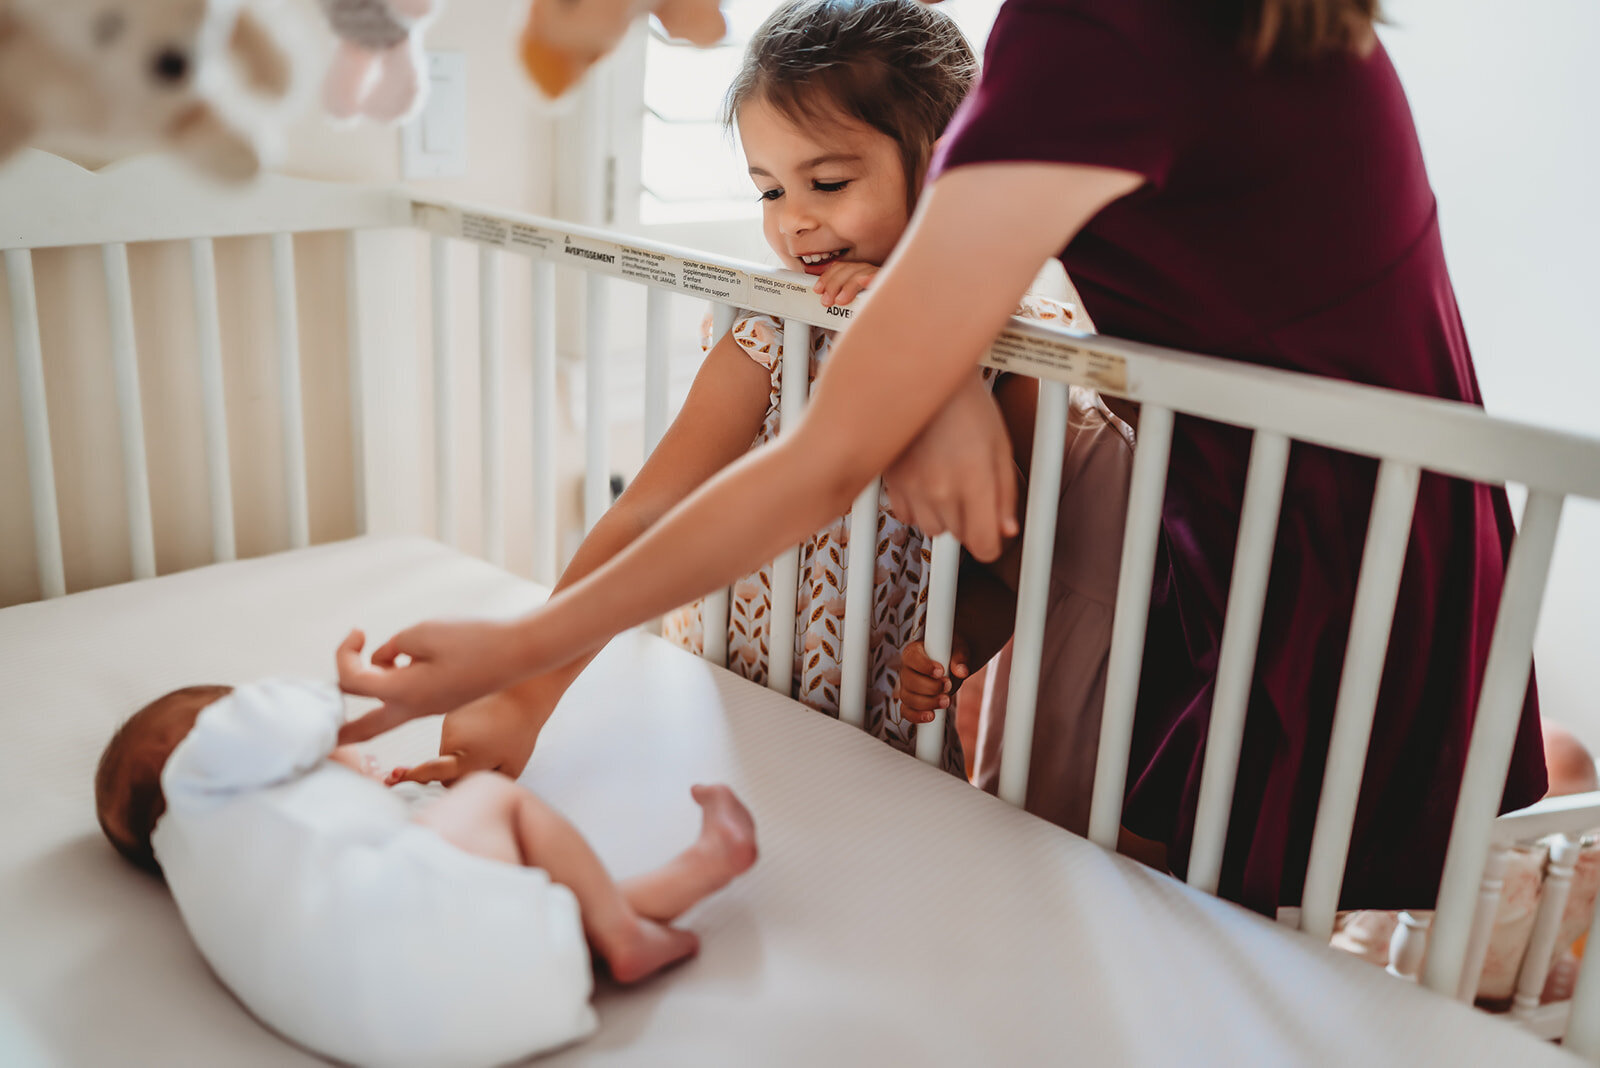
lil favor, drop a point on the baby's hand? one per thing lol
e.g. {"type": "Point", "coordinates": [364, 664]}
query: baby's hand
{"type": "Point", "coordinates": [924, 686]}
{"type": "Point", "coordinates": [843, 281]}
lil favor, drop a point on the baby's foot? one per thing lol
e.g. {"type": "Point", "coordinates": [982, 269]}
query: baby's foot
{"type": "Point", "coordinates": [727, 843]}
{"type": "Point", "coordinates": [646, 948]}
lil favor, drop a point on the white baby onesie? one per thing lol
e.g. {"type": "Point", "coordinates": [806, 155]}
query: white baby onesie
{"type": "Point", "coordinates": [341, 924]}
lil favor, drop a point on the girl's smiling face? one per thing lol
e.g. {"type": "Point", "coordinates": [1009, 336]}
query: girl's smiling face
{"type": "Point", "coordinates": [834, 190]}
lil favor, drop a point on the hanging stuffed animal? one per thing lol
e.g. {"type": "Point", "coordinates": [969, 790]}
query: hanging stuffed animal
{"type": "Point", "coordinates": [103, 78]}
{"type": "Point", "coordinates": [562, 39]}
{"type": "Point", "coordinates": [377, 71]}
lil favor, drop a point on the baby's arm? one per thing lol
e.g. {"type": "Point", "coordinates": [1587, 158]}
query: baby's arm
{"type": "Point", "coordinates": [719, 420]}
{"type": "Point", "coordinates": [491, 816]}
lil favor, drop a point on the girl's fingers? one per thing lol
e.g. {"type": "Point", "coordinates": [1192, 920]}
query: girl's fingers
{"type": "Point", "coordinates": [912, 682]}
{"type": "Point", "coordinates": [915, 656]}
{"type": "Point", "coordinates": [384, 656]}
{"type": "Point", "coordinates": [347, 658]}
{"type": "Point", "coordinates": [379, 721]}
{"type": "Point", "coordinates": [445, 769]}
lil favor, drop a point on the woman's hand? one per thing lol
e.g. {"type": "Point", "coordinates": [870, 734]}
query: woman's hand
{"type": "Point", "coordinates": [958, 476]}
{"type": "Point", "coordinates": [843, 281]}
{"type": "Point", "coordinates": [449, 665]}
{"type": "Point", "coordinates": [493, 733]}
{"type": "Point", "coordinates": [924, 686]}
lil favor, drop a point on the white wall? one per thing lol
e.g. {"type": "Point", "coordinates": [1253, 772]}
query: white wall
{"type": "Point", "coordinates": [1507, 102]}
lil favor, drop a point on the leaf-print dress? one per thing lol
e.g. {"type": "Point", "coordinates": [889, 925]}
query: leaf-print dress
{"type": "Point", "coordinates": [900, 580]}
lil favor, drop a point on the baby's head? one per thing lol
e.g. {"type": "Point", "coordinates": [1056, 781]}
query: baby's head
{"type": "Point", "coordinates": [838, 106]}
{"type": "Point", "coordinates": [127, 786]}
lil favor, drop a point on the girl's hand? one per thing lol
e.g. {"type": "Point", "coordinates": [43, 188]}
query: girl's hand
{"type": "Point", "coordinates": [493, 733]}
{"type": "Point", "coordinates": [924, 686]}
{"type": "Point", "coordinates": [450, 664]}
{"type": "Point", "coordinates": [843, 281]}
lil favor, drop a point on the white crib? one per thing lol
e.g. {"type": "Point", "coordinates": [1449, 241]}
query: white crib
{"type": "Point", "coordinates": [47, 203]}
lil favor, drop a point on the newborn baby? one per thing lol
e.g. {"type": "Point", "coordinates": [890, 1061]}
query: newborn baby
{"type": "Point", "coordinates": [366, 932]}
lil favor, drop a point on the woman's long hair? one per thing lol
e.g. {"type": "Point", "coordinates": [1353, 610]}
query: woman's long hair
{"type": "Point", "coordinates": [1297, 30]}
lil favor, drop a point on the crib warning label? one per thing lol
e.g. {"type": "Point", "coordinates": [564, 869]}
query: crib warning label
{"type": "Point", "coordinates": [1102, 370]}
{"type": "Point", "coordinates": [656, 268]}
{"type": "Point", "coordinates": [484, 228]}
{"type": "Point", "coordinates": [781, 297]}
{"type": "Point", "coordinates": [602, 257]}
{"type": "Point", "coordinates": [535, 238]}
{"type": "Point", "coordinates": [718, 283]}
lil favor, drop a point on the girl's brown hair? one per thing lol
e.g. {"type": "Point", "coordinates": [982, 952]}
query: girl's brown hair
{"type": "Point", "coordinates": [1298, 30]}
{"type": "Point", "coordinates": [898, 66]}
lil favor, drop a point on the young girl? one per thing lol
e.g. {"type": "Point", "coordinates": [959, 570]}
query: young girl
{"type": "Point", "coordinates": [838, 105]}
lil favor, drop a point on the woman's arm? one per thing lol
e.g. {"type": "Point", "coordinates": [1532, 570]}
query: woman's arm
{"type": "Point", "coordinates": [974, 245]}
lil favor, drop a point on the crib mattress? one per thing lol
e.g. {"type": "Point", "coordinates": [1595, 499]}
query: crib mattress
{"type": "Point", "coordinates": [897, 916]}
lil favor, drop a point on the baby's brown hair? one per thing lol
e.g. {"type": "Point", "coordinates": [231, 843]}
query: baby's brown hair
{"type": "Point", "coordinates": [127, 785]}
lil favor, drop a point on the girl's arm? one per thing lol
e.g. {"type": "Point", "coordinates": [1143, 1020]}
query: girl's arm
{"type": "Point", "coordinates": [718, 421]}
{"type": "Point", "coordinates": [973, 247]}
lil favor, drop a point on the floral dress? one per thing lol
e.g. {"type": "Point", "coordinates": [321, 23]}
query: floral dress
{"type": "Point", "coordinates": [900, 578]}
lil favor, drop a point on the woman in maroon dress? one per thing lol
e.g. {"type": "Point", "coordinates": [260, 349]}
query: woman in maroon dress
{"type": "Point", "coordinates": [1239, 178]}
{"type": "Point", "coordinates": [1284, 219]}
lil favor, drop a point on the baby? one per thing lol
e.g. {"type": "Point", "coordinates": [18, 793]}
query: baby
{"type": "Point", "coordinates": [369, 933]}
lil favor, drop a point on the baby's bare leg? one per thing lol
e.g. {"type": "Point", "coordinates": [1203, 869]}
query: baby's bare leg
{"type": "Point", "coordinates": [726, 848]}
{"type": "Point", "coordinates": [491, 816]}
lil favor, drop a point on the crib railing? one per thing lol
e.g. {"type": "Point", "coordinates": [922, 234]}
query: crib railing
{"type": "Point", "coordinates": [46, 203]}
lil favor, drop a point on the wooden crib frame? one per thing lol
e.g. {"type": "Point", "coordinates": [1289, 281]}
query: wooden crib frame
{"type": "Point", "coordinates": [46, 202]}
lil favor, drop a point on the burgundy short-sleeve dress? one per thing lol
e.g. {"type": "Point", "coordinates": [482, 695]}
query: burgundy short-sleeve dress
{"type": "Point", "coordinates": [1286, 220]}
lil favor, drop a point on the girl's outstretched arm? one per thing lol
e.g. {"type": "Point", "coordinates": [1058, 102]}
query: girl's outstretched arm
{"type": "Point", "coordinates": [718, 421]}
{"type": "Point", "coordinates": [973, 247]}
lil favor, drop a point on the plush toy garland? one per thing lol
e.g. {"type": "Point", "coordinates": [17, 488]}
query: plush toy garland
{"type": "Point", "coordinates": [121, 75]}
{"type": "Point", "coordinates": [562, 39]}
{"type": "Point", "coordinates": [102, 78]}
{"type": "Point", "coordinates": [378, 70]}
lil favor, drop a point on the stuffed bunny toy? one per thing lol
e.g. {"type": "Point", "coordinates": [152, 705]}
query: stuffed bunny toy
{"type": "Point", "coordinates": [377, 71]}
{"type": "Point", "coordinates": [111, 77]}
{"type": "Point", "coordinates": [562, 39]}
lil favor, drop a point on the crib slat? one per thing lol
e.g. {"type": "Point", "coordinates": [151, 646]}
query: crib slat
{"type": "Point", "coordinates": [294, 436]}
{"type": "Point", "coordinates": [35, 422]}
{"type": "Point", "coordinates": [1033, 588]}
{"type": "Point", "coordinates": [1583, 1025]}
{"type": "Point", "coordinates": [545, 567]}
{"type": "Point", "coordinates": [597, 461]}
{"type": "Point", "coordinates": [1489, 888]}
{"type": "Point", "coordinates": [657, 365]}
{"type": "Point", "coordinates": [861, 575]}
{"type": "Point", "coordinates": [444, 420]}
{"type": "Point", "coordinates": [1388, 534]}
{"type": "Point", "coordinates": [1555, 890]}
{"type": "Point", "coordinates": [714, 609]}
{"type": "Point", "coordinates": [491, 380]}
{"type": "Point", "coordinates": [130, 410]}
{"type": "Point", "coordinates": [1139, 539]}
{"type": "Point", "coordinates": [1500, 700]}
{"type": "Point", "coordinates": [208, 329]}
{"type": "Point", "coordinates": [1247, 594]}
{"type": "Point", "coordinates": [354, 343]}
{"type": "Point", "coordinates": [780, 621]}
{"type": "Point", "coordinates": [939, 635]}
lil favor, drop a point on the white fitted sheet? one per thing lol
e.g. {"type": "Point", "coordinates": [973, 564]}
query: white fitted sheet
{"type": "Point", "coordinates": [896, 915]}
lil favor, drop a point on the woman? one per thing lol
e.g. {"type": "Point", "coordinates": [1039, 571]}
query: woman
{"type": "Point", "coordinates": [1241, 178]}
